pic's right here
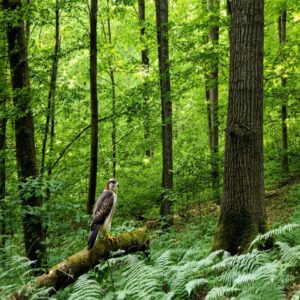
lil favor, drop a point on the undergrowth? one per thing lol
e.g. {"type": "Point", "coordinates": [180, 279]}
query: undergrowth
{"type": "Point", "coordinates": [180, 274]}
{"type": "Point", "coordinates": [180, 266]}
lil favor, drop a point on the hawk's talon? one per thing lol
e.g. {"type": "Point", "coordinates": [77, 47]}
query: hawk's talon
{"type": "Point", "coordinates": [110, 238]}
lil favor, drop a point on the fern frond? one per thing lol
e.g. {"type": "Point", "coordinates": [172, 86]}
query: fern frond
{"type": "Point", "coordinates": [229, 276]}
{"type": "Point", "coordinates": [141, 279]}
{"type": "Point", "coordinates": [160, 296]}
{"type": "Point", "coordinates": [164, 261]}
{"type": "Point", "coordinates": [296, 296]}
{"type": "Point", "coordinates": [290, 255]}
{"type": "Point", "coordinates": [262, 290]}
{"type": "Point", "coordinates": [221, 292]}
{"type": "Point", "coordinates": [194, 266]}
{"type": "Point", "coordinates": [191, 285]}
{"type": "Point", "coordinates": [268, 271]}
{"type": "Point", "coordinates": [244, 279]}
{"type": "Point", "coordinates": [261, 238]}
{"type": "Point", "coordinates": [86, 288]}
{"type": "Point", "coordinates": [245, 263]}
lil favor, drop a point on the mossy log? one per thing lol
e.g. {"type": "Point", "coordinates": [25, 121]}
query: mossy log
{"type": "Point", "coordinates": [66, 272]}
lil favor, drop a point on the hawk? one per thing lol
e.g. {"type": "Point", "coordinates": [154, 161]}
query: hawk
{"type": "Point", "coordinates": [103, 212]}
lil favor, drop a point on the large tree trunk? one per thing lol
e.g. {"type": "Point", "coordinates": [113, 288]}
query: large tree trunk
{"type": "Point", "coordinates": [4, 95]}
{"type": "Point", "coordinates": [284, 134]}
{"type": "Point", "coordinates": [213, 97]}
{"type": "Point", "coordinates": [24, 130]}
{"type": "Point", "coordinates": [66, 272]}
{"type": "Point", "coordinates": [243, 213]}
{"type": "Point", "coordinates": [145, 66]}
{"type": "Point", "coordinates": [162, 12]}
{"type": "Point", "coordinates": [94, 106]}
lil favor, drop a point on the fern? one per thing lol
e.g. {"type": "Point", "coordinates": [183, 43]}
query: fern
{"type": "Point", "coordinates": [141, 279]}
{"type": "Point", "coordinates": [86, 288]}
{"type": "Point", "coordinates": [191, 285]}
{"type": "Point", "coordinates": [262, 290]}
{"type": "Point", "coordinates": [16, 272]}
{"type": "Point", "coordinates": [296, 296]}
{"type": "Point", "coordinates": [227, 278]}
{"type": "Point", "coordinates": [245, 263]}
{"type": "Point", "coordinates": [261, 238]}
{"type": "Point", "coordinates": [290, 255]}
{"type": "Point", "coordinates": [178, 275]}
{"type": "Point", "coordinates": [221, 292]}
{"type": "Point", "coordinates": [164, 261]}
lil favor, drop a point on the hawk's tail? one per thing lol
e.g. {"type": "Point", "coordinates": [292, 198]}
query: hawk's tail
{"type": "Point", "coordinates": [93, 236]}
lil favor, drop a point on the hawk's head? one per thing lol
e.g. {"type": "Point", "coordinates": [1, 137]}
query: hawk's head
{"type": "Point", "coordinates": [112, 185]}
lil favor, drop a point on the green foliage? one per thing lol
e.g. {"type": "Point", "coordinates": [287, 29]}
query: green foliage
{"type": "Point", "coordinates": [175, 274]}
{"type": "Point", "coordinates": [262, 238]}
{"type": "Point", "coordinates": [86, 288]}
{"type": "Point", "coordinates": [15, 272]}
{"type": "Point", "coordinates": [180, 264]}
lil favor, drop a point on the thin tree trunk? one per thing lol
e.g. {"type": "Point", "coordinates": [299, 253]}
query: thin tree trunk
{"type": "Point", "coordinates": [228, 7]}
{"type": "Point", "coordinates": [27, 23]}
{"type": "Point", "coordinates": [213, 93]}
{"type": "Point", "coordinates": [243, 213]}
{"type": "Point", "coordinates": [165, 90]}
{"type": "Point", "coordinates": [282, 40]}
{"type": "Point", "coordinates": [94, 106]}
{"type": "Point", "coordinates": [113, 96]}
{"type": "Point", "coordinates": [208, 110]}
{"type": "Point", "coordinates": [51, 96]}
{"type": "Point", "coordinates": [145, 66]}
{"type": "Point", "coordinates": [4, 95]}
{"type": "Point", "coordinates": [34, 237]}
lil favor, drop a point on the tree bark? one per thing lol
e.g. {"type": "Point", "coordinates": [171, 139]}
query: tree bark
{"type": "Point", "coordinates": [284, 133]}
{"type": "Point", "coordinates": [243, 213]}
{"type": "Point", "coordinates": [4, 96]}
{"type": "Point", "coordinates": [145, 66]}
{"type": "Point", "coordinates": [27, 22]}
{"type": "Point", "coordinates": [51, 96]}
{"type": "Point", "coordinates": [24, 130]}
{"type": "Point", "coordinates": [113, 97]}
{"type": "Point", "coordinates": [162, 11]}
{"type": "Point", "coordinates": [213, 98]}
{"type": "Point", "coordinates": [66, 272]}
{"type": "Point", "coordinates": [94, 106]}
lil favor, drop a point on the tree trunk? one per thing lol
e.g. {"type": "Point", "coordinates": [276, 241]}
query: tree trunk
{"type": "Point", "coordinates": [213, 97]}
{"type": "Point", "coordinates": [113, 96]}
{"type": "Point", "coordinates": [145, 66]}
{"type": "Point", "coordinates": [4, 95]}
{"type": "Point", "coordinates": [165, 90]}
{"type": "Point", "coordinates": [243, 214]}
{"type": "Point", "coordinates": [94, 106]}
{"type": "Point", "coordinates": [66, 272]}
{"type": "Point", "coordinates": [51, 96]}
{"type": "Point", "coordinates": [282, 40]}
{"type": "Point", "coordinates": [27, 22]}
{"type": "Point", "coordinates": [24, 129]}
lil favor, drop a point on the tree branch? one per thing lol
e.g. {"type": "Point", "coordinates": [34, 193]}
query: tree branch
{"type": "Point", "coordinates": [62, 153]}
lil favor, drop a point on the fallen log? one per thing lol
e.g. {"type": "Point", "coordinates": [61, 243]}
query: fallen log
{"type": "Point", "coordinates": [66, 272]}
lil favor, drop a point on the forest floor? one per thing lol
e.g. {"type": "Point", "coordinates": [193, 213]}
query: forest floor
{"type": "Point", "coordinates": [196, 227]}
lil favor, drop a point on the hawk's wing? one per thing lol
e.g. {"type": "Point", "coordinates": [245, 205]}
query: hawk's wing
{"type": "Point", "coordinates": [102, 209]}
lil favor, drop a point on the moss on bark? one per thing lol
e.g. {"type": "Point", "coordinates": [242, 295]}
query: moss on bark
{"type": "Point", "coordinates": [66, 272]}
{"type": "Point", "coordinates": [236, 231]}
